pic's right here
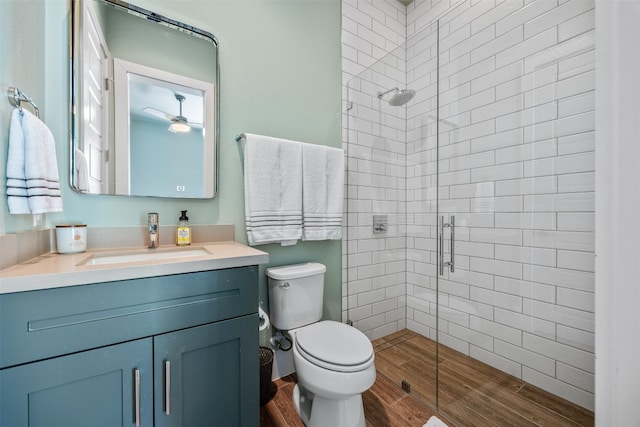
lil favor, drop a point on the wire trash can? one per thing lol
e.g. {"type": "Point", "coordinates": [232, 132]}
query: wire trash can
{"type": "Point", "coordinates": [268, 388]}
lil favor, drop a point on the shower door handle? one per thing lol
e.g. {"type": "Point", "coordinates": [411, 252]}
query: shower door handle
{"type": "Point", "coordinates": [452, 245]}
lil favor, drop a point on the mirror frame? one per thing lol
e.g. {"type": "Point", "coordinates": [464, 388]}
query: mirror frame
{"type": "Point", "coordinates": [75, 67]}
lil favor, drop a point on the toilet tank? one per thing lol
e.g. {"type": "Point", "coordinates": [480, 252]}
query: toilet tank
{"type": "Point", "coordinates": [296, 294]}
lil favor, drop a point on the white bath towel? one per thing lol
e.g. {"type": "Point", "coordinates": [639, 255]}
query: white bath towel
{"type": "Point", "coordinates": [322, 192]}
{"type": "Point", "coordinates": [435, 422]}
{"type": "Point", "coordinates": [40, 166]}
{"type": "Point", "coordinates": [16, 179]}
{"type": "Point", "coordinates": [273, 190]}
{"type": "Point", "coordinates": [81, 171]}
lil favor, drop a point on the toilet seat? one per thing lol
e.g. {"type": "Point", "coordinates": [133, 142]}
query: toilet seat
{"type": "Point", "coordinates": [334, 346]}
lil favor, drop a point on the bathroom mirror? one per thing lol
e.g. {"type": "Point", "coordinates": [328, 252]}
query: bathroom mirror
{"type": "Point", "coordinates": [144, 103]}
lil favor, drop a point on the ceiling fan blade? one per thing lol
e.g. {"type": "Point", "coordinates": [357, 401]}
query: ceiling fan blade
{"type": "Point", "coordinates": [157, 113]}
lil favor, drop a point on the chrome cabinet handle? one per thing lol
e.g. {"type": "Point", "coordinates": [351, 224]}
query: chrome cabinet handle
{"type": "Point", "coordinates": [136, 374]}
{"type": "Point", "coordinates": [452, 247]}
{"type": "Point", "coordinates": [167, 387]}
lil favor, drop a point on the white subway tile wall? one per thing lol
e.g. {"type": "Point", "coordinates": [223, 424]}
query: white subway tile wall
{"type": "Point", "coordinates": [516, 135]}
{"type": "Point", "coordinates": [374, 135]}
{"type": "Point", "coordinates": [376, 184]}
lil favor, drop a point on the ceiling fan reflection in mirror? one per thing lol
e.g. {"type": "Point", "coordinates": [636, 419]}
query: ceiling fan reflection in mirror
{"type": "Point", "coordinates": [179, 123]}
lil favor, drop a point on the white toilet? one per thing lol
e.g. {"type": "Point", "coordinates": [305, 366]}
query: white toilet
{"type": "Point", "coordinates": [333, 361]}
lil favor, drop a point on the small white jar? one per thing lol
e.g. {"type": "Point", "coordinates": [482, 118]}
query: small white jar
{"type": "Point", "coordinates": [71, 239]}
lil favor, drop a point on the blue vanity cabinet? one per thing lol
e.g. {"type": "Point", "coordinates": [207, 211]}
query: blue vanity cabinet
{"type": "Point", "coordinates": [178, 350]}
{"type": "Point", "coordinates": [209, 375]}
{"type": "Point", "coordinates": [93, 388]}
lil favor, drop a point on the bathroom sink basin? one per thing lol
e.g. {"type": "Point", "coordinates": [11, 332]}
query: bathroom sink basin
{"type": "Point", "coordinates": [147, 255]}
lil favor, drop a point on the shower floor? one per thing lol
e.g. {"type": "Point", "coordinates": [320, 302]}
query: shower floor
{"type": "Point", "coordinates": [471, 392]}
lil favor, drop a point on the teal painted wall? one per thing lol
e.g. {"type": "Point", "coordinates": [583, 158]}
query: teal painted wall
{"type": "Point", "coordinates": [129, 37]}
{"type": "Point", "coordinates": [280, 76]}
{"type": "Point", "coordinates": [21, 31]}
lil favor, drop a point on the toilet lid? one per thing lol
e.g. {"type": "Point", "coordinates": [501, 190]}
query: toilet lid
{"type": "Point", "coordinates": [335, 346]}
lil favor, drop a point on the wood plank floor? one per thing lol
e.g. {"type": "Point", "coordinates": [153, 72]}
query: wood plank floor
{"type": "Point", "coordinates": [471, 392]}
{"type": "Point", "coordinates": [385, 404]}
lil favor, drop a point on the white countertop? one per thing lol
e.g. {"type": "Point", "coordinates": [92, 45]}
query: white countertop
{"type": "Point", "coordinates": [57, 270]}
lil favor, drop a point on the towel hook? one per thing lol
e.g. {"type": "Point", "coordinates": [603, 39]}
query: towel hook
{"type": "Point", "coordinates": [16, 97]}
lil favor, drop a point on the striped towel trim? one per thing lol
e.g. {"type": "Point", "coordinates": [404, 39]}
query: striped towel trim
{"type": "Point", "coordinates": [269, 227]}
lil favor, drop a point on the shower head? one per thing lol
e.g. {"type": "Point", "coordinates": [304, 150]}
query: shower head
{"type": "Point", "coordinates": [400, 97]}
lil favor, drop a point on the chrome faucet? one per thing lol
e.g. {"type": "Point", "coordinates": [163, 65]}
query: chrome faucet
{"type": "Point", "coordinates": [154, 230]}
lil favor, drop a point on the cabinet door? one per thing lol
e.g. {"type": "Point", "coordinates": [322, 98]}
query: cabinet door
{"type": "Point", "coordinates": [91, 388]}
{"type": "Point", "coordinates": [208, 375]}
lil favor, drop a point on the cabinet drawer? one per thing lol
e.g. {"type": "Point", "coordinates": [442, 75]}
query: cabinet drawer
{"type": "Point", "coordinates": [41, 324]}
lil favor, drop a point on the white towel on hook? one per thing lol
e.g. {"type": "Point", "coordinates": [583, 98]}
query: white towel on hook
{"type": "Point", "coordinates": [322, 192]}
{"type": "Point", "coordinates": [81, 171]}
{"type": "Point", "coordinates": [32, 166]}
{"type": "Point", "coordinates": [40, 166]}
{"type": "Point", "coordinates": [273, 190]}
{"type": "Point", "coordinates": [16, 179]}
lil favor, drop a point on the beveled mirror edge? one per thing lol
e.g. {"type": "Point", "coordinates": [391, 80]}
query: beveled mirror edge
{"type": "Point", "coordinates": [74, 46]}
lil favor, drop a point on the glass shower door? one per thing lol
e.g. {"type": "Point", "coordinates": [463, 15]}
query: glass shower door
{"type": "Point", "coordinates": [515, 212]}
{"type": "Point", "coordinates": [390, 248]}
{"type": "Point", "coordinates": [422, 211]}
{"type": "Point", "coordinates": [468, 253]}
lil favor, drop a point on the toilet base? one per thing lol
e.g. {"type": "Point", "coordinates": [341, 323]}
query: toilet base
{"type": "Point", "coordinates": [318, 411]}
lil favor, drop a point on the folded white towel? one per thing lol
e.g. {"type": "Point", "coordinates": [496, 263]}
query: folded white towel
{"type": "Point", "coordinates": [322, 192]}
{"type": "Point", "coordinates": [273, 190]}
{"type": "Point", "coordinates": [435, 422]}
{"type": "Point", "coordinates": [81, 171]}
{"type": "Point", "coordinates": [16, 179]}
{"type": "Point", "coordinates": [40, 166]}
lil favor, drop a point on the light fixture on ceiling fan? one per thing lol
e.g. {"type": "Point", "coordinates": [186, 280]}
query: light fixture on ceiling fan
{"type": "Point", "coordinates": [179, 123]}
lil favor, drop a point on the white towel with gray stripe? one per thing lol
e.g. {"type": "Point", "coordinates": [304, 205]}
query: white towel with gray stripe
{"type": "Point", "coordinates": [273, 190]}
{"type": "Point", "coordinates": [33, 184]}
{"type": "Point", "coordinates": [322, 192]}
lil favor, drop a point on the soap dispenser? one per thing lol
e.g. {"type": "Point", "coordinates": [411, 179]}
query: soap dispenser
{"type": "Point", "coordinates": [183, 232]}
